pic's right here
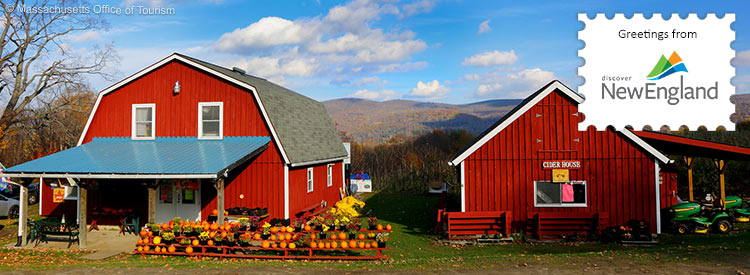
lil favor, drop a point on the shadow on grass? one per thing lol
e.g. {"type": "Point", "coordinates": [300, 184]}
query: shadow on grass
{"type": "Point", "coordinates": [416, 212]}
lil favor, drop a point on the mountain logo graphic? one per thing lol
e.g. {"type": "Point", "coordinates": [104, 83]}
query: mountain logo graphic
{"type": "Point", "coordinates": [666, 67]}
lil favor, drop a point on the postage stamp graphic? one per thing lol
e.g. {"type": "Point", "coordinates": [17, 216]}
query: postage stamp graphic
{"type": "Point", "coordinates": [642, 71]}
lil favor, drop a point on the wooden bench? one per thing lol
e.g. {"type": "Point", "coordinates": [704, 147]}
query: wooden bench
{"type": "Point", "coordinates": [470, 225]}
{"type": "Point", "coordinates": [311, 211]}
{"type": "Point", "coordinates": [557, 226]}
{"type": "Point", "coordinates": [44, 230]}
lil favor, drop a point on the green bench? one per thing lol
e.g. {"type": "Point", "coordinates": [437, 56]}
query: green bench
{"type": "Point", "coordinates": [43, 230]}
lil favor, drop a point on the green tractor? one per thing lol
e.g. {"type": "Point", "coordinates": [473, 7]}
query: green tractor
{"type": "Point", "coordinates": [692, 217]}
{"type": "Point", "coordinates": [735, 212]}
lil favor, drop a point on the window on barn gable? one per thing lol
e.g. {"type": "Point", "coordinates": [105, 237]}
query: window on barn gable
{"type": "Point", "coordinates": [143, 121]}
{"type": "Point", "coordinates": [329, 181]}
{"type": "Point", "coordinates": [560, 194]}
{"type": "Point", "coordinates": [210, 120]}
{"type": "Point", "coordinates": [309, 179]}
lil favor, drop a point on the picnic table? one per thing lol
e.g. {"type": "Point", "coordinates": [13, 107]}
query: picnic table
{"type": "Point", "coordinates": [43, 230]}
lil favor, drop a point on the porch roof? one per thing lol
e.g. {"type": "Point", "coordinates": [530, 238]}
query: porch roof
{"type": "Point", "coordinates": [693, 147]}
{"type": "Point", "coordinates": [163, 157]}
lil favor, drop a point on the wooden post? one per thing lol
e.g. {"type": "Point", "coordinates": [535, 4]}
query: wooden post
{"type": "Point", "coordinates": [82, 202]}
{"type": "Point", "coordinates": [22, 210]}
{"type": "Point", "coordinates": [689, 162]}
{"type": "Point", "coordinates": [152, 201]}
{"type": "Point", "coordinates": [722, 166]}
{"type": "Point", "coordinates": [219, 185]}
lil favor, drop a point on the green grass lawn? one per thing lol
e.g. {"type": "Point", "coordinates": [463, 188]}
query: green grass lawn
{"type": "Point", "coordinates": [413, 248]}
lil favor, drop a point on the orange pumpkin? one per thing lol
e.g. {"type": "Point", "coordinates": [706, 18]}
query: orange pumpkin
{"type": "Point", "coordinates": [313, 245]}
{"type": "Point", "coordinates": [165, 226]}
{"type": "Point", "coordinates": [292, 245]}
{"type": "Point", "coordinates": [145, 240]}
{"type": "Point", "coordinates": [388, 227]}
{"type": "Point", "coordinates": [157, 240]}
{"type": "Point", "coordinates": [206, 227]}
{"type": "Point", "coordinates": [289, 229]}
{"type": "Point", "coordinates": [313, 236]}
{"type": "Point", "coordinates": [374, 244]}
{"type": "Point", "coordinates": [342, 236]}
{"type": "Point", "coordinates": [140, 248]}
{"type": "Point", "coordinates": [274, 229]}
{"type": "Point", "coordinates": [150, 234]}
{"type": "Point", "coordinates": [308, 228]}
{"type": "Point", "coordinates": [195, 242]}
{"type": "Point", "coordinates": [334, 245]}
{"type": "Point", "coordinates": [282, 245]}
{"type": "Point", "coordinates": [223, 234]}
{"type": "Point", "coordinates": [344, 244]}
{"type": "Point", "coordinates": [361, 236]}
{"type": "Point", "coordinates": [157, 249]}
{"type": "Point", "coordinates": [171, 249]}
{"type": "Point", "coordinates": [214, 212]}
{"type": "Point", "coordinates": [352, 244]}
{"type": "Point", "coordinates": [334, 236]}
{"type": "Point", "coordinates": [257, 236]}
{"type": "Point", "coordinates": [210, 242]}
{"type": "Point", "coordinates": [146, 248]}
{"type": "Point", "coordinates": [189, 250]}
{"type": "Point", "coordinates": [226, 213]}
{"type": "Point", "coordinates": [328, 245]}
{"type": "Point", "coordinates": [212, 234]}
{"type": "Point", "coordinates": [361, 244]}
{"type": "Point", "coordinates": [214, 226]}
{"type": "Point", "coordinates": [288, 236]}
{"type": "Point", "coordinates": [273, 237]}
{"type": "Point", "coordinates": [380, 227]}
{"type": "Point", "coordinates": [266, 244]}
{"type": "Point", "coordinates": [274, 245]}
{"type": "Point", "coordinates": [144, 233]}
{"type": "Point", "coordinates": [140, 241]}
{"type": "Point", "coordinates": [367, 245]}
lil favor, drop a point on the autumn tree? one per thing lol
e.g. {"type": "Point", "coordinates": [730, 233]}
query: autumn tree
{"type": "Point", "coordinates": [36, 61]}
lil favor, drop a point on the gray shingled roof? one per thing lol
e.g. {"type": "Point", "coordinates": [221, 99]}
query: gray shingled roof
{"type": "Point", "coordinates": [302, 124]}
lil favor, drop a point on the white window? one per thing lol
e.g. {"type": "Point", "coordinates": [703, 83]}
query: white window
{"type": "Point", "coordinates": [210, 120]}
{"type": "Point", "coordinates": [329, 179]}
{"type": "Point", "coordinates": [143, 121]}
{"type": "Point", "coordinates": [560, 194]}
{"type": "Point", "coordinates": [309, 179]}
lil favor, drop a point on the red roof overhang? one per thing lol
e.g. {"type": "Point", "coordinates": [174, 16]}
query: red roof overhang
{"type": "Point", "coordinates": [693, 147]}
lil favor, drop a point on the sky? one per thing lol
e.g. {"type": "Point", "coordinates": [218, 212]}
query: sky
{"type": "Point", "coordinates": [446, 51]}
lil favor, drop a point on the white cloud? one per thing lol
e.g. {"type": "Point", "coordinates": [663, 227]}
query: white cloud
{"type": "Point", "coordinates": [375, 95]}
{"type": "Point", "coordinates": [741, 83]}
{"type": "Point", "coordinates": [271, 66]}
{"type": "Point", "coordinates": [484, 27]}
{"type": "Point", "coordinates": [371, 47]}
{"type": "Point", "coordinates": [267, 32]}
{"type": "Point", "coordinates": [742, 59]}
{"type": "Point", "coordinates": [369, 80]}
{"type": "Point", "coordinates": [493, 58]}
{"type": "Point", "coordinates": [85, 36]}
{"type": "Point", "coordinates": [403, 67]}
{"type": "Point", "coordinates": [421, 6]}
{"type": "Point", "coordinates": [430, 90]}
{"type": "Point", "coordinates": [512, 84]}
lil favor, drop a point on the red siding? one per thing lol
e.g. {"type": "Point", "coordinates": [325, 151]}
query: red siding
{"type": "Point", "coordinates": [50, 208]}
{"type": "Point", "coordinates": [668, 189]}
{"type": "Point", "coordinates": [300, 199]}
{"type": "Point", "coordinates": [500, 175]}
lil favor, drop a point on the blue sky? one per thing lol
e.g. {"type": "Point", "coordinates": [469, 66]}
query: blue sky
{"type": "Point", "coordinates": [427, 50]}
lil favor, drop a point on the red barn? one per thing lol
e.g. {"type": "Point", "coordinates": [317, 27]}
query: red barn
{"type": "Point", "coordinates": [535, 164]}
{"type": "Point", "coordinates": [183, 137]}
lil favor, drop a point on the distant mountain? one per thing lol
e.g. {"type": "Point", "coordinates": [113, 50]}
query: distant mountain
{"type": "Point", "coordinates": [376, 122]}
{"type": "Point", "coordinates": [742, 105]}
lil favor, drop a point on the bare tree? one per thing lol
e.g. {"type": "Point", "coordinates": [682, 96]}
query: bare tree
{"type": "Point", "coordinates": [35, 58]}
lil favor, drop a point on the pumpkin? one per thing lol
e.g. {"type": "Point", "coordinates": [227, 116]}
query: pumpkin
{"type": "Point", "coordinates": [380, 227]}
{"type": "Point", "coordinates": [189, 250]}
{"type": "Point", "coordinates": [361, 244]}
{"type": "Point", "coordinates": [274, 229]}
{"type": "Point", "coordinates": [313, 245]}
{"type": "Point", "coordinates": [214, 226]}
{"type": "Point", "coordinates": [157, 249]}
{"type": "Point", "coordinates": [226, 213]}
{"type": "Point", "coordinates": [352, 244]}
{"type": "Point", "coordinates": [223, 234]}
{"type": "Point", "coordinates": [289, 229]}
{"type": "Point", "coordinates": [334, 245]}
{"type": "Point", "coordinates": [144, 233]}
{"type": "Point", "coordinates": [313, 236]}
{"type": "Point", "coordinates": [344, 244]}
{"type": "Point", "coordinates": [165, 226]}
{"type": "Point", "coordinates": [308, 228]}
{"type": "Point", "coordinates": [140, 248]}
{"type": "Point", "coordinates": [266, 244]}
{"type": "Point", "coordinates": [273, 237]}
{"type": "Point", "coordinates": [388, 227]}
{"type": "Point", "coordinates": [374, 244]}
{"type": "Point", "coordinates": [140, 241]}
{"type": "Point", "coordinates": [171, 249]}
{"type": "Point", "coordinates": [282, 245]}
{"type": "Point", "coordinates": [288, 236]}
{"type": "Point", "coordinates": [206, 227]}
{"type": "Point", "coordinates": [215, 212]}
{"type": "Point", "coordinates": [210, 242]}
{"type": "Point", "coordinates": [342, 236]}
{"type": "Point", "coordinates": [361, 236]}
{"type": "Point", "coordinates": [334, 236]}
{"type": "Point", "coordinates": [212, 234]}
{"type": "Point", "coordinates": [157, 240]}
{"type": "Point", "coordinates": [145, 240]}
{"type": "Point", "coordinates": [146, 248]}
{"type": "Point", "coordinates": [292, 245]}
{"type": "Point", "coordinates": [257, 236]}
{"type": "Point", "coordinates": [367, 245]}
{"type": "Point", "coordinates": [274, 245]}
{"type": "Point", "coordinates": [328, 245]}
{"type": "Point", "coordinates": [150, 234]}
{"type": "Point", "coordinates": [195, 242]}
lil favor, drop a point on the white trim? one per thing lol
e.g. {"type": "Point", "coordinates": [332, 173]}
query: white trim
{"type": "Point", "coordinates": [200, 119]}
{"type": "Point", "coordinates": [561, 204]}
{"type": "Point", "coordinates": [313, 162]}
{"type": "Point", "coordinates": [286, 191]}
{"type": "Point", "coordinates": [657, 181]}
{"type": "Point", "coordinates": [659, 156]}
{"type": "Point", "coordinates": [113, 176]}
{"type": "Point", "coordinates": [554, 85]}
{"type": "Point", "coordinates": [343, 176]}
{"type": "Point", "coordinates": [329, 175]}
{"type": "Point", "coordinates": [133, 127]}
{"type": "Point", "coordinates": [462, 166]}
{"type": "Point", "coordinates": [310, 182]}
{"type": "Point", "coordinates": [41, 183]}
{"type": "Point", "coordinates": [196, 65]}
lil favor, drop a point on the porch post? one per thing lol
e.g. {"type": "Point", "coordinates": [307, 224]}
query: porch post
{"type": "Point", "coordinates": [152, 201]}
{"type": "Point", "coordinates": [82, 202]}
{"type": "Point", "coordinates": [22, 210]}
{"type": "Point", "coordinates": [219, 185]}
{"type": "Point", "coordinates": [722, 166]}
{"type": "Point", "coordinates": [689, 163]}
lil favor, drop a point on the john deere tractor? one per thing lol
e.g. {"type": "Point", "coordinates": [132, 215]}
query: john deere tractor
{"type": "Point", "coordinates": [735, 212]}
{"type": "Point", "coordinates": [692, 217]}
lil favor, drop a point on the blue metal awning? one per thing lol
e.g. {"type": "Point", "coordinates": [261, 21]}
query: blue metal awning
{"type": "Point", "coordinates": [163, 157]}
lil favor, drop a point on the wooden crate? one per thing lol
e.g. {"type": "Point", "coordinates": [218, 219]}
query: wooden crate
{"type": "Point", "coordinates": [555, 225]}
{"type": "Point", "coordinates": [467, 225]}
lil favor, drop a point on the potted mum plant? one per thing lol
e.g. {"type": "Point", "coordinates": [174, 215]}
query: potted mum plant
{"type": "Point", "coordinates": [253, 222]}
{"type": "Point", "coordinates": [372, 223]}
{"type": "Point", "coordinates": [245, 239]}
{"type": "Point", "coordinates": [298, 224]}
{"type": "Point", "coordinates": [187, 230]}
{"type": "Point", "coordinates": [244, 222]}
{"type": "Point", "coordinates": [203, 237]}
{"type": "Point", "coordinates": [167, 237]}
{"type": "Point", "coordinates": [381, 238]}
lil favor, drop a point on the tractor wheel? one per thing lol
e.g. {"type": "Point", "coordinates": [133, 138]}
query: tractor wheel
{"type": "Point", "coordinates": [723, 226]}
{"type": "Point", "coordinates": [682, 229]}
